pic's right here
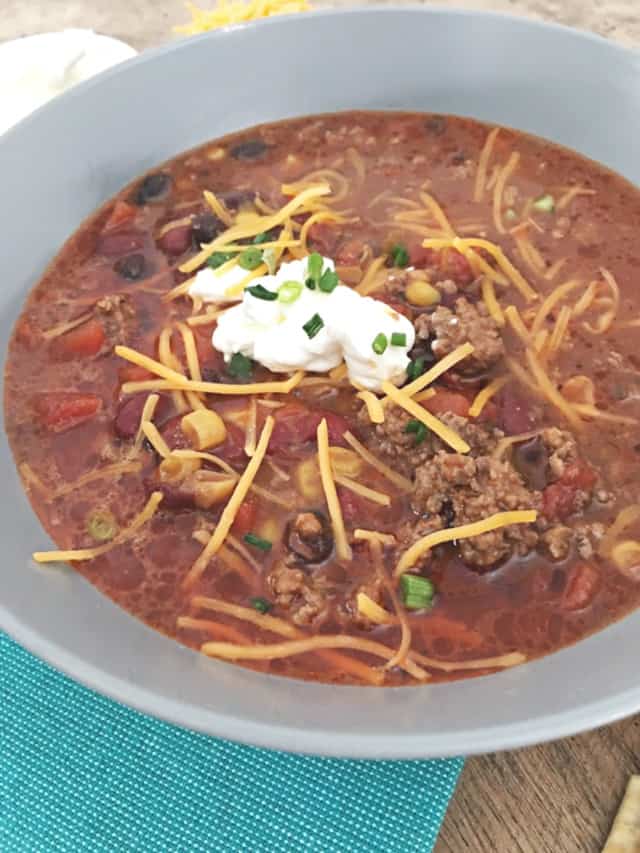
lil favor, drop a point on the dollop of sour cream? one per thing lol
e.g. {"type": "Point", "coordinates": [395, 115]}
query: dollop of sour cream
{"type": "Point", "coordinates": [37, 68]}
{"type": "Point", "coordinates": [368, 335]}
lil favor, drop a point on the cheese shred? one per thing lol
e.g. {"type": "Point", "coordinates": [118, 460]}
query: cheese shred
{"type": "Point", "coordinates": [343, 549]}
{"type": "Point", "coordinates": [375, 409]}
{"type": "Point", "coordinates": [90, 553]}
{"type": "Point", "coordinates": [229, 513]}
{"type": "Point", "coordinates": [465, 531]}
{"type": "Point", "coordinates": [443, 432]}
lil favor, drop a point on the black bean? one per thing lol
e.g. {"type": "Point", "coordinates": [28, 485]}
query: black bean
{"type": "Point", "coordinates": [308, 536]}
{"type": "Point", "coordinates": [531, 461]}
{"type": "Point", "coordinates": [152, 188]}
{"type": "Point", "coordinates": [234, 199]}
{"type": "Point", "coordinates": [436, 125]}
{"type": "Point", "coordinates": [249, 150]}
{"type": "Point", "coordinates": [206, 228]}
{"type": "Point", "coordinates": [131, 267]}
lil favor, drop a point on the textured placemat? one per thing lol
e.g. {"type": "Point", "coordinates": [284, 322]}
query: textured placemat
{"type": "Point", "coordinates": [79, 772]}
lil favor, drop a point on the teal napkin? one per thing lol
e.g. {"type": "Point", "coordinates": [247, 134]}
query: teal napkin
{"type": "Point", "coordinates": [79, 772]}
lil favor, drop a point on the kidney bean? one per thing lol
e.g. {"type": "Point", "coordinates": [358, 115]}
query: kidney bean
{"type": "Point", "coordinates": [119, 243]}
{"type": "Point", "coordinates": [176, 241]}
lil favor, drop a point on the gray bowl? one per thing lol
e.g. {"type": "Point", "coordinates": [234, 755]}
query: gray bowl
{"type": "Point", "coordinates": [59, 164]}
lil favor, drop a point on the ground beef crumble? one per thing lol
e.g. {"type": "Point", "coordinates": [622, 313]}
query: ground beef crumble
{"type": "Point", "coordinates": [448, 328]}
{"type": "Point", "coordinates": [397, 444]}
{"type": "Point", "coordinates": [297, 592]}
{"type": "Point", "coordinates": [468, 489]}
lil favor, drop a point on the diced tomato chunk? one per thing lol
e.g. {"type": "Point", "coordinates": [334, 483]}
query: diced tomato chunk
{"type": "Point", "coordinates": [122, 212]}
{"type": "Point", "coordinates": [62, 410]}
{"type": "Point", "coordinates": [447, 401]}
{"type": "Point", "coordinates": [455, 266]}
{"type": "Point", "coordinates": [582, 585]}
{"type": "Point", "coordinates": [580, 475]}
{"type": "Point", "coordinates": [133, 373]}
{"type": "Point", "coordinates": [559, 499]}
{"type": "Point", "coordinates": [323, 238]}
{"type": "Point", "coordinates": [245, 517]}
{"type": "Point", "coordinates": [85, 340]}
{"type": "Point", "coordinates": [420, 258]}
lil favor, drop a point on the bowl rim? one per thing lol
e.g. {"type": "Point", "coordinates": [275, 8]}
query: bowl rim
{"type": "Point", "coordinates": [390, 745]}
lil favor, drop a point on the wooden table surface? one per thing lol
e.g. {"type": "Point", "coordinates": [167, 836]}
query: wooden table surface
{"type": "Point", "coordinates": [556, 798]}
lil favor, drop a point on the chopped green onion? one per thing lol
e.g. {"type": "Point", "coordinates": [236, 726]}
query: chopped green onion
{"type": "Point", "coordinates": [261, 238]}
{"type": "Point", "coordinates": [101, 525]}
{"type": "Point", "coordinates": [328, 281]}
{"type": "Point", "coordinates": [418, 428]}
{"type": "Point", "coordinates": [415, 368]}
{"type": "Point", "coordinates": [314, 267]}
{"type": "Point", "coordinates": [250, 259]}
{"type": "Point", "coordinates": [379, 343]}
{"type": "Point", "coordinates": [269, 257]}
{"type": "Point", "coordinates": [417, 592]}
{"type": "Point", "coordinates": [399, 255]}
{"type": "Point", "coordinates": [289, 292]}
{"type": "Point", "coordinates": [240, 366]}
{"type": "Point", "coordinates": [310, 284]}
{"type": "Point", "coordinates": [257, 541]}
{"type": "Point", "coordinates": [218, 258]}
{"type": "Point", "coordinates": [260, 604]}
{"type": "Point", "coordinates": [398, 339]}
{"type": "Point", "coordinates": [545, 204]}
{"type": "Point", "coordinates": [313, 326]}
{"type": "Point", "coordinates": [261, 292]}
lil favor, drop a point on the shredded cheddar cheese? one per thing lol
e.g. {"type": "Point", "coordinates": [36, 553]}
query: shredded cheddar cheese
{"type": "Point", "coordinates": [148, 411]}
{"type": "Point", "coordinates": [173, 379]}
{"type": "Point", "coordinates": [369, 535]}
{"type": "Point", "coordinates": [430, 421]}
{"type": "Point", "coordinates": [465, 531]}
{"type": "Point", "coordinates": [375, 409]}
{"type": "Point", "coordinates": [371, 610]}
{"type": "Point", "coordinates": [229, 12]}
{"type": "Point", "coordinates": [258, 225]}
{"type": "Point", "coordinates": [483, 162]}
{"type": "Point", "coordinates": [343, 549]}
{"type": "Point", "coordinates": [218, 207]}
{"type": "Point", "coordinates": [362, 490]}
{"type": "Point", "coordinates": [371, 459]}
{"type": "Point", "coordinates": [482, 397]}
{"type": "Point", "coordinates": [434, 372]}
{"type": "Point", "coordinates": [89, 553]}
{"type": "Point", "coordinates": [491, 302]}
{"type": "Point", "coordinates": [499, 187]}
{"type": "Point", "coordinates": [229, 513]}
{"type": "Point", "coordinates": [155, 439]}
{"type": "Point", "coordinates": [251, 428]}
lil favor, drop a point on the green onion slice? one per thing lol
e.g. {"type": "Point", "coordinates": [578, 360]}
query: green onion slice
{"type": "Point", "coordinates": [261, 292]}
{"type": "Point", "coordinates": [260, 604]}
{"type": "Point", "coordinates": [418, 429]}
{"type": "Point", "coordinates": [415, 368]}
{"type": "Point", "coordinates": [314, 267]}
{"type": "Point", "coordinates": [399, 255]}
{"type": "Point", "coordinates": [250, 259]}
{"type": "Point", "coordinates": [240, 366]}
{"type": "Point", "coordinates": [398, 339]}
{"type": "Point", "coordinates": [257, 541]}
{"type": "Point", "coordinates": [261, 238]}
{"type": "Point", "coordinates": [313, 326]}
{"type": "Point", "coordinates": [101, 525]}
{"type": "Point", "coordinates": [328, 281]}
{"type": "Point", "coordinates": [289, 292]}
{"type": "Point", "coordinates": [545, 204]}
{"type": "Point", "coordinates": [379, 343]}
{"type": "Point", "coordinates": [417, 592]}
{"type": "Point", "coordinates": [218, 258]}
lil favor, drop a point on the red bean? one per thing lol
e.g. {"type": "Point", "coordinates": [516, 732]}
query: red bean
{"type": "Point", "coordinates": [515, 413]}
{"type": "Point", "coordinates": [127, 419]}
{"type": "Point", "coordinates": [176, 241]}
